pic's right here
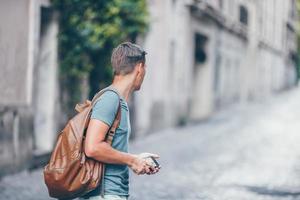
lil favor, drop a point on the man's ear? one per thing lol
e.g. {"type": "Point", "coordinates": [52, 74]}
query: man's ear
{"type": "Point", "coordinates": [139, 67]}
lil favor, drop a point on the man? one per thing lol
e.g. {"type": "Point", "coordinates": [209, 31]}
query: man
{"type": "Point", "coordinates": [128, 62]}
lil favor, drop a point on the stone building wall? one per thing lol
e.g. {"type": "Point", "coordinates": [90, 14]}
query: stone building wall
{"type": "Point", "coordinates": [28, 82]}
{"type": "Point", "coordinates": [249, 48]}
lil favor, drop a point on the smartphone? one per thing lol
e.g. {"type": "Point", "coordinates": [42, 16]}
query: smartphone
{"type": "Point", "coordinates": [156, 164]}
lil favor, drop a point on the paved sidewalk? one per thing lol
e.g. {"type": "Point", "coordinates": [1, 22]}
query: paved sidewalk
{"type": "Point", "coordinates": [244, 153]}
{"type": "Point", "coordinates": [248, 152]}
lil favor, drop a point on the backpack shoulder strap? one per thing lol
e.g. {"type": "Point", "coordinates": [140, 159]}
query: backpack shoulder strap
{"type": "Point", "coordinates": [116, 122]}
{"type": "Point", "coordinates": [113, 128]}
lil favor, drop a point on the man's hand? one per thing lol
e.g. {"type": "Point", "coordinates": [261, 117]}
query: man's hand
{"type": "Point", "coordinates": [142, 165]}
{"type": "Point", "coordinates": [146, 157]}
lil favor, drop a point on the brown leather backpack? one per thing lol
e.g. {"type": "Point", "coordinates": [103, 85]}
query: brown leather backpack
{"type": "Point", "coordinates": [70, 173]}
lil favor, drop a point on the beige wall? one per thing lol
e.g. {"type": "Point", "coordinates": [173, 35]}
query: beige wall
{"type": "Point", "coordinates": [239, 69]}
{"type": "Point", "coordinates": [15, 71]}
{"type": "Point", "coordinates": [28, 83]}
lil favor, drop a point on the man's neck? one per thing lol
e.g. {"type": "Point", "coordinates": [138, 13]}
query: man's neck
{"type": "Point", "coordinates": [123, 86]}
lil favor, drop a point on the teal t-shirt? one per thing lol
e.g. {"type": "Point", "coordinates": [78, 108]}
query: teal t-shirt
{"type": "Point", "coordinates": [116, 177]}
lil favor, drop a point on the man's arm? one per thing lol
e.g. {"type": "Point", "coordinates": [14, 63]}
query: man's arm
{"type": "Point", "coordinates": [95, 147]}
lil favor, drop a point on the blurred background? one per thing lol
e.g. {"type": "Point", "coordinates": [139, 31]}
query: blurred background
{"type": "Point", "coordinates": [208, 61]}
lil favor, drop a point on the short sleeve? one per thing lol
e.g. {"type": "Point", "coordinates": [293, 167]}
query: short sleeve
{"type": "Point", "coordinates": [106, 107]}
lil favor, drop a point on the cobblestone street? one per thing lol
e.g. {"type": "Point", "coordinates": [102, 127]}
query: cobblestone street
{"type": "Point", "coordinates": [246, 152]}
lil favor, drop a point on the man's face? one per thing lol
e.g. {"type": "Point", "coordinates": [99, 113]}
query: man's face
{"type": "Point", "coordinates": [140, 76]}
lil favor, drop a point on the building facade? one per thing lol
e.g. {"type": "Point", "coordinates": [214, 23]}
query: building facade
{"type": "Point", "coordinates": [206, 54]}
{"type": "Point", "coordinates": [29, 87]}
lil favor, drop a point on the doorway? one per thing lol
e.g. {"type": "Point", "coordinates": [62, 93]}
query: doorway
{"type": "Point", "coordinates": [201, 98]}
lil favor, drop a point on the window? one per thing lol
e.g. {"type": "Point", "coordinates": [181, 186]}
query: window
{"type": "Point", "coordinates": [200, 51]}
{"type": "Point", "coordinates": [243, 15]}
